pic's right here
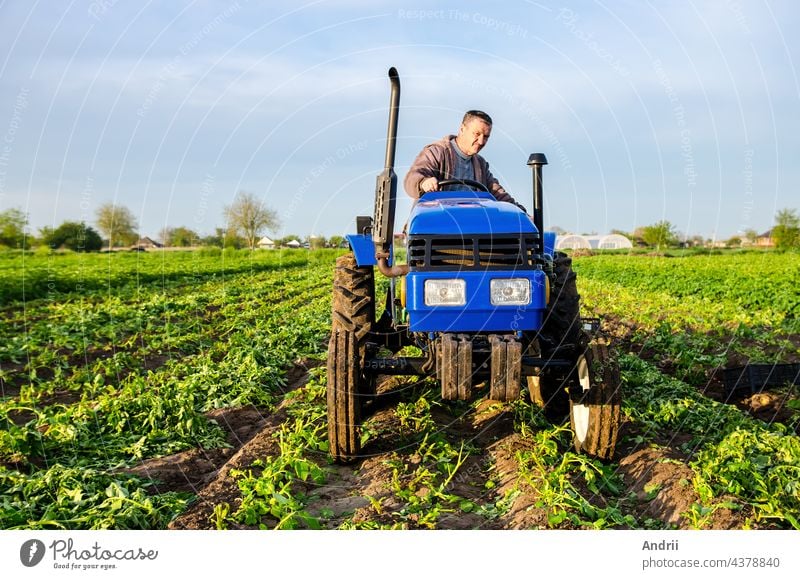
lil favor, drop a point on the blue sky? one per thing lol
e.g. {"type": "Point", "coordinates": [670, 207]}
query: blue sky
{"type": "Point", "coordinates": [684, 111]}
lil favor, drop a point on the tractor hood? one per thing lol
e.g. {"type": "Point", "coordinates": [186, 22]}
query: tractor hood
{"type": "Point", "coordinates": [466, 212]}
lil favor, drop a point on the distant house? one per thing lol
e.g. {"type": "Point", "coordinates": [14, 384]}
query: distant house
{"type": "Point", "coordinates": [294, 244]}
{"type": "Point", "coordinates": [765, 239]}
{"type": "Point", "coordinates": [266, 243]}
{"type": "Point", "coordinates": [146, 243]}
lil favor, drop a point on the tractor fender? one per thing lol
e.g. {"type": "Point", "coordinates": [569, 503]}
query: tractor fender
{"type": "Point", "coordinates": [364, 250]}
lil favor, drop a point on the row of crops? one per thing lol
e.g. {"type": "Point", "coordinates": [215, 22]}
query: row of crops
{"type": "Point", "coordinates": [97, 380]}
{"type": "Point", "coordinates": [111, 360]}
{"type": "Point", "coordinates": [701, 313]}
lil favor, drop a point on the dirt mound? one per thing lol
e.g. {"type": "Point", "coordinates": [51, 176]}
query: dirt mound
{"type": "Point", "coordinates": [657, 480]}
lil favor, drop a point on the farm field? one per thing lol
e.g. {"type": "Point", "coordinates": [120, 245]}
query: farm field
{"type": "Point", "coordinates": [187, 391]}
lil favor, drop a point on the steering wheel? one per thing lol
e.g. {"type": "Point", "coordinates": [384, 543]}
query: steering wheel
{"type": "Point", "coordinates": [467, 182]}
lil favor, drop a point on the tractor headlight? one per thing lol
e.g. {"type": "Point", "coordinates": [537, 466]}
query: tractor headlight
{"type": "Point", "coordinates": [510, 292]}
{"type": "Point", "coordinates": [445, 292]}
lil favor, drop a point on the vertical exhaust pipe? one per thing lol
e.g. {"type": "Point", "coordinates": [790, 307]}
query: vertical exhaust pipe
{"type": "Point", "coordinates": [386, 190]}
{"type": "Point", "coordinates": [535, 162]}
{"type": "Point", "coordinates": [394, 106]}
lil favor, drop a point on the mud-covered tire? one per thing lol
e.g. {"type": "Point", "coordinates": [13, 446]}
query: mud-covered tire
{"type": "Point", "coordinates": [344, 402]}
{"type": "Point", "coordinates": [559, 337]}
{"type": "Point", "coordinates": [353, 315]}
{"type": "Point", "coordinates": [595, 408]}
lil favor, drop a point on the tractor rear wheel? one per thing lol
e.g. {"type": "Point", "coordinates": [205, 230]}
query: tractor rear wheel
{"type": "Point", "coordinates": [595, 410]}
{"type": "Point", "coordinates": [353, 315]}
{"type": "Point", "coordinates": [559, 337]}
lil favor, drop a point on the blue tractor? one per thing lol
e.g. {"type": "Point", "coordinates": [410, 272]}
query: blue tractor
{"type": "Point", "coordinates": [486, 299]}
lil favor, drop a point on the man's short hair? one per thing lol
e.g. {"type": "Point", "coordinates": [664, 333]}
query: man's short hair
{"type": "Point", "coordinates": [469, 115]}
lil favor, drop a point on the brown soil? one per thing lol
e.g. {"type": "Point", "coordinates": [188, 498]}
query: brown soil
{"type": "Point", "coordinates": [661, 482]}
{"type": "Point", "coordinates": [656, 477]}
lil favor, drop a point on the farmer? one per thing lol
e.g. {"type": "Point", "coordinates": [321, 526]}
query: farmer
{"type": "Point", "coordinates": [456, 157]}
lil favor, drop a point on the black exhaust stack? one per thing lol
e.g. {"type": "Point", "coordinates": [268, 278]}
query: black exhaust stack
{"type": "Point", "coordinates": [535, 162]}
{"type": "Point", "coordinates": [386, 186]}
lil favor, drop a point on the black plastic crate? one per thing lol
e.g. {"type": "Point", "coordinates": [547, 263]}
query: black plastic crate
{"type": "Point", "coordinates": [591, 325]}
{"type": "Point", "coordinates": [755, 377]}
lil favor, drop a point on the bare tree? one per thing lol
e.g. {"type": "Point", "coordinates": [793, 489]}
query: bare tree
{"type": "Point", "coordinates": [118, 224]}
{"type": "Point", "coordinates": [249, 217]}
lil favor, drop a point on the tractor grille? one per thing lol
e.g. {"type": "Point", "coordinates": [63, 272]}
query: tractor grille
{"type": "Point", "coordinates": [432, 252]}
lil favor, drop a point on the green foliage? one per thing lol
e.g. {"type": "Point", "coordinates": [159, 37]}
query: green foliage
{"type": "Point", "coordinates": [68, 277]}
{"type": "Point", "coordinates": [179, 237]}
{"type": "Point", "coordinates": [118, 358]}
{"type": "Point", "coordinates": [73, 236]}
{"type": "Point", "coordinates": [271, 489]}
{"type": "Point", "coordinates": [697, 312]}
{"type": "Point", "coordinates": [753, 287]}
{"type": "Point", "coordinates": [573, 489]}
{"type": "Point", "coordinates": [659, 235]}
{"type": "Point", "coordinates": [733, 454]}
{"type": "Point", "coordinates": [12, 228]}
{"type": "Point", "coordinates": [786, 233]}
{"type": "Point", "coordinates": [72, 498]}
{"type": "Point", "coordinates": [138, 366]}
{"type": "Point", "coordinates": [118, 224]}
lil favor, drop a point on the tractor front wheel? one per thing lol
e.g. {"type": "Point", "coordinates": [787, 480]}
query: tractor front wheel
{"type": "Point", "coordinates": [595, 406]}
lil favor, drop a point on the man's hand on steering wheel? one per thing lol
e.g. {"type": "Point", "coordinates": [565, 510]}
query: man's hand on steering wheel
{"type": "Point", "coordinates": [466, 182]}
{"type": "Point", "coordinates": [428, 185]}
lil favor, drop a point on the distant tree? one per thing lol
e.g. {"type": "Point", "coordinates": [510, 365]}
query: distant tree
{"type": "Point", "coordinates": [248, 217]}
{"type": "Point", "coordinates": [12, 228]}
{"type": "Point", "coordinates": [622, 233]}
{"type": "Point", "coordinates": [557, 230]}
{"type": "Point", "coordinates": [118, 224]}
{"type": "Point", "coordinates": [233, 240]}
{"type": "Point", "coordinates": [786, 232]}
{"type": "Point", "coordinates": [216, 240]}
{"type": "Point", "coordinates": [74, 236]}
{"type": "Point", "coordinates": [44, 234]}
{"type": "Point", "coordinates": [734, 241]}
{"type": "Point", "coordinates": [335, 241]}
{"type": "Point", "coordinates": [697, 240]}
{"type": "Point", "coordinates": [751, 235]}
{"type": "Point", "coordinates": [316, 242]}
{"type": "Point", "coordinates": [660, 234]}
{"type": "Point", "coordinates": [179, 237]}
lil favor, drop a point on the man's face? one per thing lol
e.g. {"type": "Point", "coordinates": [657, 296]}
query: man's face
{"type": "Point", "coordinates": [473, 135]}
